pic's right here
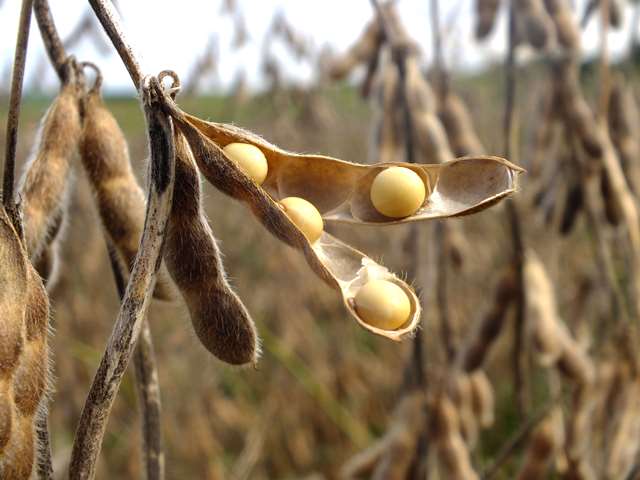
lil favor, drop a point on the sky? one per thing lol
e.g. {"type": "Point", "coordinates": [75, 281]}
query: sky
{"type": "Point", "coordinates": [164, 36]}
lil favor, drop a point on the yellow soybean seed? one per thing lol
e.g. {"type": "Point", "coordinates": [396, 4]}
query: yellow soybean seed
{"type": "Point", "coordinates": [383, 304]}
{"type": "Point", "coordinates": [397, 192]}
{"type": "Point", "coordinates": [250, 159]}
{"type": "Point", "coordinates": [306, 217]}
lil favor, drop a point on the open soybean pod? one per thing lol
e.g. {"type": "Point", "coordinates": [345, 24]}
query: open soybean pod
{"type": "Point", "coordinates": [341, 190]}
{"type": "Point", "coordinates": [342, 267]}
{"type": "Point", "coordinates": [119, 197]}
{"type": "Point", "coordinates": [46, 181]}
{"type": "Point", "coordinates": [191, 254]}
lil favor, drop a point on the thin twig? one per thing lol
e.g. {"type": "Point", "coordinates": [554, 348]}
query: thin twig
{"type": "Point", "coordinates": [52, 42]}
{"type": "Point", "coordinates": [13, 117]}
{"type": "Point", "coordinates": [139, 290]}
{"type": "Point", "coordinates": [146, 377]}
{"type": "Point", "coordinates": [44, 465]}
{"type": "Point", "coordinates": [519, 378]}
{"type": "Point", "coordinates": [106, 13]}
{"type": "Point", "coordinates": [605, 73]}
{"type": "Point", "coordinates": [517, 439]}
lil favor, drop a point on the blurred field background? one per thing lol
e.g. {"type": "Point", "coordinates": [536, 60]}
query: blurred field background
{"type": "Point", "coordinates": [324, 388]}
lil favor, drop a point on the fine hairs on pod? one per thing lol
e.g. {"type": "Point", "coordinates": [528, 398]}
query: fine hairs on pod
{"type": "Point", "coordinates": [24, 355]}
{"type": "Point", "coordinates": [191, 254]}
{"type": "Point", "coordinates": [119, 197]}
{"type": "Point", "coordinates": [13, 298]}
{"type": "Point", "coordinates": [47, 176]}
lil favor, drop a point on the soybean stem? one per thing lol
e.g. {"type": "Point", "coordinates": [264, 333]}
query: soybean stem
{"type": "Point", "coordinates": [519, 376]}
{"type": "Point", "coordinates": [108, 17]}
{"type": "Point", "coordinates": [516, 441]}
{"type": "Point", "coordinates": [50, 37]}
{"type": "Point", "coordinates": [146, 379]}
{"type": "Point", "coordinates": [17, 78]}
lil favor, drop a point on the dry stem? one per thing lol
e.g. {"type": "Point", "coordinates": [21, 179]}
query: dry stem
{"type": "Point", "coordinates": [146, 382]}
{"type": "Point", "coordinates": [514, 221]}
{"type": "Point", "coordinates": [13, 117]}
{"type": "Point", "coordinates": [516, 441]}
{"type": "Point", "coordinates": [108, 17]}
{"type": "Point", "coordinates": [52, 42]}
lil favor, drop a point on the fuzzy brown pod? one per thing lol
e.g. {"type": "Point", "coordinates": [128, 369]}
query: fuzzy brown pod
{"type": "Point", "coordinates": [572, 207]}
{"type": "Point", "coordinates": [46, 180]}
{"type": "Point", "coordinates": [120, 199]}
{"type": "Point", "coordinates": [453, 458]}
{"type": "Point", "coordinates": [340, 190]}
{"type": "Point", "coordinates": [623, 119]}
{"type": "Point", "coordinates": [387, 138]}
{"type": "Point", "coordinates": [193, 259]}
{"type": "Point", "coordinates": [545, 441]}
{"type": "Point", "coordinates": [615, 16]}
{"type": "Point", "coordinates": [342, 267]}
{"type": "Point", "coordinates": [366, 46]}
{"type": "Point", "coordinates": [536, 26]}
{"type": "Point", "coordinates": [17, 459]}
{"type": "Point", "coordinates": [625, 441]}
{"type": "Point", "coordinates": [30, 382]}
{"type": "Point", "coordinates": [457, 122]}
{"type": "Point", "coordinates": [566, 27]}
{"type": "Point", "coordinates": [478, 344]}
{"type": "Point", "coordinates": [486, 11]}
{"type": "Point", "coordinates": [429, 134]}
{"type": "Point", "coordinates": [543, 322]}
{"type": "Point", "coordinates": [483, 398]}
{"type": "Point", "coordinates": [13, 296]}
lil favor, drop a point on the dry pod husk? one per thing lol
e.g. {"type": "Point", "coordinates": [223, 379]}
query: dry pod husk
{"type": "Point", "coordinates": [457, 122]}
{"type": "Point", "coordinates": [572, 207]}
{"type": "Point", "coordinates": [461, 393]}
{"type": "Point", "coordinates": [623, 119]}
{"type": "Point", "coordinates": [625, 442]}
{"type": "Point", "coordinates": [191, 254]}
{"type": "Point", "coordinates": [340, 190]}
{"type": "Point", "coordinates": [483, 398]}
{"type": "Point", "coordinates": [365, 47]}
{"type": "Point", "coordinates": [535, 22]}
{"type": "Point", "coordinates": [342, 267]}
{"type": "Point", "coordinates": [486, 11]}
{"type": "Point", "coordinates": [119, 197]}
{"type": "Point", "coordinates": [552, 340]}
{"type": "Point", "coordinates": [453, 457]}
{"type": "Point", "coordinates": [387, 138]}
{"type": "Point", "coordinates": [543, 322]}
{"type": "Point", "coordinates": [566, 28]}
{"type": "Point", "coordinates": [546, 440]}
{"type": "Point", "coordinates": [616, 16]}
{"type": "Point", "coordinates": [430, 137]}
{"type": "Point", "coordinates": [474, 352]}
{"type": "Point", "coordinates": [47, 178]}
